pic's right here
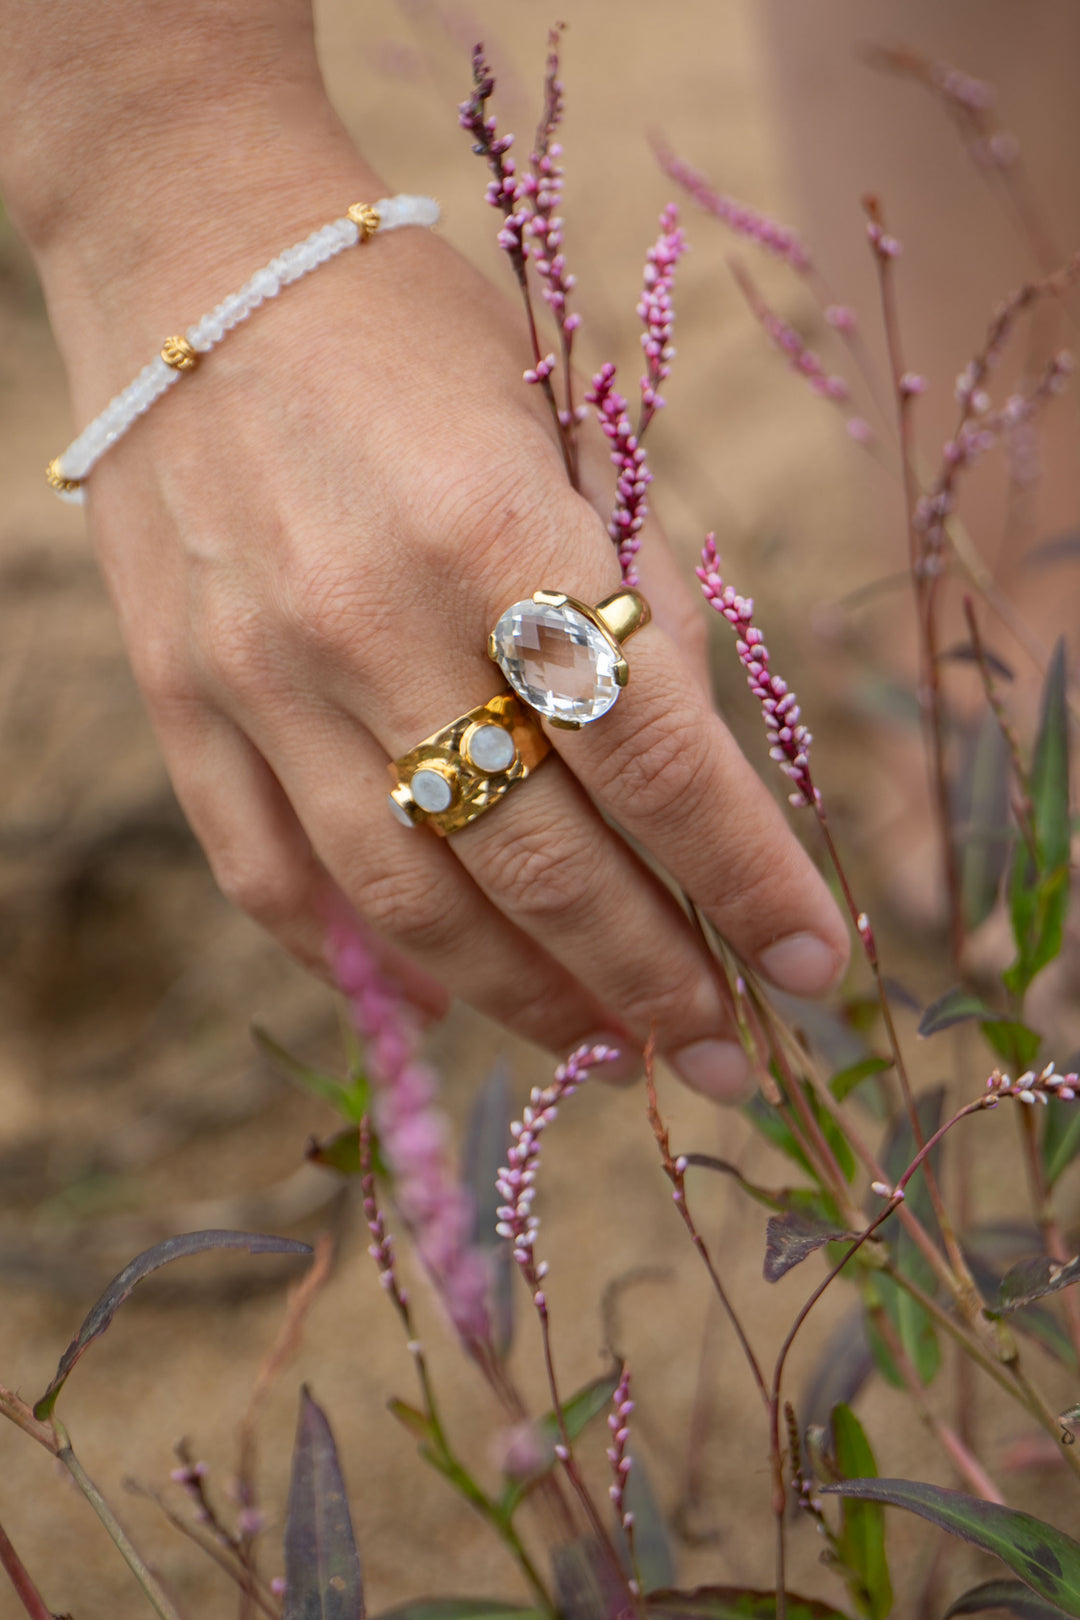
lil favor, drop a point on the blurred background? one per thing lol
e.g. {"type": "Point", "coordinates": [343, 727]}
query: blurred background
{"type": "Point", "coordinates": [133, 1102]}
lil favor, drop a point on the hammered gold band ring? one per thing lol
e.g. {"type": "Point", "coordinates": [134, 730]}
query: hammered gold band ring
{"type": "Point", "coordinates": [564, 661]}
{"type": "Point", "coordinates": [457, 773]}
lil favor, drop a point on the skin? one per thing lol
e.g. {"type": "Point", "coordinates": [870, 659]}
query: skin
{"type": "Point", "coordinates": [309, 542]}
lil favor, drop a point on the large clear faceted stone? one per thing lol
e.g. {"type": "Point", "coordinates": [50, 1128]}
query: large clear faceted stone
{"type": "Point", "coordinates": [557, 661]}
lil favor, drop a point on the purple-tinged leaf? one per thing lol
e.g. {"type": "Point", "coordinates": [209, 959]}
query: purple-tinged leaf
{"type": "Point", "coordinates": [322, 1566]}
{"type": "Point", "coordinates": [1031, 1279]}
{"type": "Point", "coordinates": [956, 1006]}
{"type": "Point", "coordinates": [1004, 1597]}
{"type": "Point", "coordinates": [791, 1239]}
{"type": "Point", "coordinates": [842, 1369]}
{"type": "Point", "coordinates": [1045, 1559]}
{"type": "Point", "coordinates": [964, 652]}
{"type": "Point", "coordinates": [588, 1583]}
{"type": "Point", "coordinates": [1057, 548]}
{"type": "Point", "coordinates": [174, 1248]}
{"type": "Point", "coordinates": [862, 1525]}
{"type": "Point", "coordinates": [734, 1603]}
{"type": "Point", "coordinates": [1034, 1320]}
{"type": "Point", "coordinates": [487, 1138]}
{"type": "Point", "coordinates": [458, 1609]}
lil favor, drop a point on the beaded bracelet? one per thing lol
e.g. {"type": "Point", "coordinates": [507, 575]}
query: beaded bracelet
{"type": "Point", "coordinates": [67, 473]}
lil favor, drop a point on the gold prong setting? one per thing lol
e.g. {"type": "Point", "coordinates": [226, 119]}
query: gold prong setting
{"type": "Point", "coordinates": [564, 658]}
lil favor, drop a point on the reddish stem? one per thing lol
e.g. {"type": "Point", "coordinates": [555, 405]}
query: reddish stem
{"type": "Point", "coordinates": [15, 1569]}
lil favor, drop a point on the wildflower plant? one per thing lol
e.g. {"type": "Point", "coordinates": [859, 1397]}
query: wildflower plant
{"type": "Point", "coordinates": [870, 1150]}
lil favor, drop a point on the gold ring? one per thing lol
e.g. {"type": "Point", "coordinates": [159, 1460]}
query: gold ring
{"type": "Point", "coordinates": [456, 774]}
{"type": "Point", "coordinates": [564, 658]}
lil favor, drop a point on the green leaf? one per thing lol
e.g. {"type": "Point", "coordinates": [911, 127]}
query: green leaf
{"type": "Point", "coordinates": [773, 1126]}
{"type": "Point", "coordinates": [578, 1412]}
{"type": "Point", "coordinates": [843, 1084]}
{"type": "Point", "coordinates": [1013, 1041]}
{"type": "Point", "coordinates": [120, 1289]}
{"type": "Point", "coordinates": [458, 1609]}
{"type": "Point", "coordinates": [340, 1152]}
{"type": "Point", "coordinates": [418, 1423]}
{"type": "Point", "coordinates": [862, 1524]}
{"type": "Point", "coordinates": [916, 1330]}
{"type": "Point", "coordinates": [1046, 1559]}
{"type": "Point", "coordinates": [956, 1006]}
{"type": "Point", "coordinates": [1060, 1137]}
{"type": "Point", "coordinates": [1050, 770]}
{"type": "Point", "coordinates": [1039, 888]}
{"type": "Point", "coordinates": [806, 1201]}
{"type": "Point", "coordinates": [1031, 1279]}
{"type": "Point", "coordinates": [652, 1548]}
{"type": "Point", "coordinates": [984, 840]}
{"type": "Point", "coordinates": [792, 1238]}
{"type": "Point", "coordinates": [1004, 1597]}
{"type": "Point", "coordinates": [349, 1100]}
{"type": "Point", "coordinates": [734, 1603]}
{"type": "Point", "coordinates": [322, 1566]}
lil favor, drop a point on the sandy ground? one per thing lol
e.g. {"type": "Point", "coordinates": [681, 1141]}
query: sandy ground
{"type": "Point", "coordinates": [132, 1102]}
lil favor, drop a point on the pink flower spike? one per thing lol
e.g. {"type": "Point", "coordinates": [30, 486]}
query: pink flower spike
{"type": "Point", "coordinates": [634, 477]}
{"type": "Point", "coordinates": [746, 222]}
{"type": "Point", "coordinates": [412, 1137]}
{"type": "Point", "coordinates": [789, 738]}
{"type": "Point", "coordinates": [657, 312]}
{"type": "Point", "coordinates": [516, 1180]}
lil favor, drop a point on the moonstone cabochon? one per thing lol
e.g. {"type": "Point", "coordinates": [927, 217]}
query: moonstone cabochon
{"type": "Point", "coordinates": [557, 661]}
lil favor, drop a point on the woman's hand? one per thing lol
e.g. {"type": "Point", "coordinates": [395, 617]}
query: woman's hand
{"type": "Point", "coordinates": [307, 543]}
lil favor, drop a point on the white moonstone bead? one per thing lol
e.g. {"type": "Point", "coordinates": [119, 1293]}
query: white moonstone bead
{"type": "Point", "coordinates": [491, 748]}
{"type": "Point", "coordinates": [431, 790]}
{"type": "Point", "coordinates": [399, 814]}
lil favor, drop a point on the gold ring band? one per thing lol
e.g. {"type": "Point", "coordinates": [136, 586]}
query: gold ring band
{"type": "Point", "coordinates": [457, 773]}
{"type": "Point", "coordinates": [564, 658]}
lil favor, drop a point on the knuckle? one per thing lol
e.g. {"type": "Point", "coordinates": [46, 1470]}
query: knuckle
{"type": "Point", "coordinates": [406, 908]}
{"type": "Point", "coordinates": [541, 882]}
{"type": "Point", "coordinates": [666, 999]}
{"type": "Point", "coordinates": [658, 768]}
{"type": "Point", "coordinates": [164, 676]}
{"type": "Point", "coordinates": [235, 650]}
{"type": "Point", "coordinates": [264, 890]}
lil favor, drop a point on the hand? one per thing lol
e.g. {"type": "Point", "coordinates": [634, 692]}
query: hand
{"type": "Point", "coordinates": [307, 544]}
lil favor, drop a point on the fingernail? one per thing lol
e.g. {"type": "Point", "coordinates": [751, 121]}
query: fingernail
{"type": "Point", "coordinates": [621, 1070]}
{"type": "Point", "coordinates": [802, 964]}
{"type": "Point", "coordinates": [718, 1069]}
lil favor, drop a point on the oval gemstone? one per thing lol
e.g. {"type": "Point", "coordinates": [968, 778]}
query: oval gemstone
{"type": "Point", "coordinates": [557, 661]}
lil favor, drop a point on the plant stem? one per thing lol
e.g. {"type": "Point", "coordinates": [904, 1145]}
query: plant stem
{"type": "Point", "coordinates": [158, 1599]}
{"type": "Point", "coordinates": [26, 1591]}
{"type": "Point", "coordinates": [14, 1408]}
